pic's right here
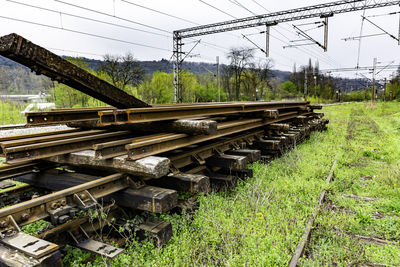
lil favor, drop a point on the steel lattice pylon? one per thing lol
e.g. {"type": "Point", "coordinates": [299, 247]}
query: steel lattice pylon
{"type": "Point", "coordinates": [271, 19]}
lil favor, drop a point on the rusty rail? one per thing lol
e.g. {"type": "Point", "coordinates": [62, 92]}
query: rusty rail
{"type": "Point", "coordinates": [23, 153]}
{"type": "Point", "coordinates": [110, 116]}
{"type": "Point", "coordinates": [42, 61]}
{"type": "Point", "coordinates": [143, 149]}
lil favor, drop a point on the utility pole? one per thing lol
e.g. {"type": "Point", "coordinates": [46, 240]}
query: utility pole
{"type": "Point", "coordinates": [219, 93]}
{"type": "Point", "coordinates": [384, 91]}
{"type": "Point", "coordinates": [305, 84]}
{"type": "Point", "coordinates": [373, 80]}
{"type": "Point", "coordinates": [267, 35]}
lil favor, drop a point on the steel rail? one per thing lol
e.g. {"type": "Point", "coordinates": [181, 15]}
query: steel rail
{"type": "Point", "coordinates": [113, 149]}
{"type": "Point", "coordinates": [24, 153]}
{"type": "Point", "coordinates": [17, 137]}
{"type": "Point", "coordinates": [141, 115]}
{"type": "Point", "coordinates": [117, 148]}
{"type": "Point", "coordinates": [40, 208]}
{"type": "Point", "coordinates": [21, 141]}
{"type": "Point", "coordinates": [156, 146]}
{"type": "Point", "coordinates": [8, 171]}
{"type": "Point", "coordinates": [61, 116]}
{"type": "Point", "coordinates": [199, 154]}
{"type": "Point", "coordinates": [109, 116]}
{"type": "Point", "coordinates": [42, 61]}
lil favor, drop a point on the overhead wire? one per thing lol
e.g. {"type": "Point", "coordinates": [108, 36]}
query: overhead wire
{"type": "Point", "coordinates": [86, 18]}
{"type": "Point", "coordinates": [112, 24]}
{"type": "Point", "coordinates": [117, 17]}
{"type": "Point", "coordinates": [134, 22]}
{"type": "Point", "coordinates": [301, 49]}
{"type": "Point", "coordinates": [160, 12]}
{"type": "Point", "coordinates": [73, 51]}
{"type": "Point", "coordinates": [291, 60]}
{"type": "Point", "coordinates": [291, 32]}
{"type": "Point", "coordinates": [85, 33]}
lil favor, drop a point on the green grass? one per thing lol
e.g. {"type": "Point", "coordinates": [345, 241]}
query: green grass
{"type": "Point", "coordinates": [261, 221]}
{"type": "Point", "coordinates": [11, 113]}
{"type": "Point", "coordinates": [369, 168]}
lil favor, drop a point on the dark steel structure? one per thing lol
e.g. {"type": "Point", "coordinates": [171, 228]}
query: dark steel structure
{"type": "Point", "coordinates": [42, 61]}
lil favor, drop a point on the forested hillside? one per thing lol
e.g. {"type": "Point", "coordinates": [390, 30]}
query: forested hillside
{"type": "Point", "coordinates": [249, 80]}
{"type": "Point", "coordinates": [17, 79]}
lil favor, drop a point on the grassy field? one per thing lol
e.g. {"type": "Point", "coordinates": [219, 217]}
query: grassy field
{"type": "Point", "coordinates": [11, 113]}
{"type": "Point", "coordinates": [262, 220]}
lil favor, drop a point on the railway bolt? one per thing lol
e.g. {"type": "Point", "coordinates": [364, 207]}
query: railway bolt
{"type": "Point", "coordinates": [3, 224]}
{"type": "Point", "coordinates": [25, 216]}
{"type": "Point", "coordinates": [54, 205]}
{"type": "Point", "coordinates": [63, 202]}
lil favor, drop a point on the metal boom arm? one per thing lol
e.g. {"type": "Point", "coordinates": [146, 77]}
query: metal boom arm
{"type": "Point", "coordinates": [321, 10]}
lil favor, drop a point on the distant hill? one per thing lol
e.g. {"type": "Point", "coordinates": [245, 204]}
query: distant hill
{"type": "Point", "coordinates": [15, 78]}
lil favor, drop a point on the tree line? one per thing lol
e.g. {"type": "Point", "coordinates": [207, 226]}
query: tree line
{"type": "Point", "coordinates": [243, 79]}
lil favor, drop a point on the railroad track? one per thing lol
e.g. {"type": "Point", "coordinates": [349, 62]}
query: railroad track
{"type": "Point", "coordinates": [117, 162]}
{"type": "Point", "coordinates": [84, 168]}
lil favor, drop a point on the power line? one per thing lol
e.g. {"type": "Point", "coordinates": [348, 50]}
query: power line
{"type": "Point", "coordinates": [86, 33]}
{"type": "Point", "coordinates": [304, 50]}
{"type": "Point", "coordinates": [203, 43]}
{"type": "Point", "coordinates": [287, 30]}
{"type": "Point", "coordinates": [134, 22]}
{"type": "Point", "coordinates": [86, 18]}
{"type": "Point", "coordinates": [291, 60]}
{"type": "Point", "coordinates": [73, 51]}
{"type": "Point", "coordinates": [216, 8]}
{"type": "Point", "coordinates": [112, 16]}
{"type": "Point", "coordinates": [160, 12]}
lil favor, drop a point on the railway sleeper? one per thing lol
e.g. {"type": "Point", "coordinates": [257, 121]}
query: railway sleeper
{"type": "Point", "coordinates": [183, 182]}
{"type": "Point", "coordinates": [229, 162]}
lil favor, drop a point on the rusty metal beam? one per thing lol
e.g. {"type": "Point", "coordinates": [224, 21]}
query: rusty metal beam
{"type": "Point", "coordinates": [23, 153]}
{"type": "Point", "coordinates": [170, 142]}
{"type": "Point", "coordinates": [109, 116]}
{"type": "Point", "coordinates": [10, 171]}
{"type": "Point", "coordinates": [83, 196]}
{"type": "Point", "coordinates": [130, 116]}
{"type": "Point", "coordinates": [42, 61]}
{"type": "Point", "coordinates": [17, 137]}
{"type": "Point", "coordinates": [201, 153]}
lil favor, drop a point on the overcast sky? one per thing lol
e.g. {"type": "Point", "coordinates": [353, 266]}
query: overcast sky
{"type": "Point", "coordinates": [158, 36]}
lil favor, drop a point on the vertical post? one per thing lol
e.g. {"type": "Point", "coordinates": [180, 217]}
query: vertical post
{"type": "Point", "coordinates": [384, 91]}
{"type": "Point", "coordinates": [267, 35]}
{"type": "Point", "coordinates": [326, 35]}
{"type": "Point", "coordinates": [218, 85]}
{"type": "Point", "coordinates": [305, 84]}
{"type": "Point", "coordinates": [177, 56]}
{"type": "Point", "coordinates": [373, 81]}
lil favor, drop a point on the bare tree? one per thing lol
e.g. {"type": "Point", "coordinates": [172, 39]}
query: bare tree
{"type": "Point", "coordinates": [240, 59]}
{"type": "Point", "coordinates": [225, 75]}
{"type": "Point", "coordinates": [123, 70]}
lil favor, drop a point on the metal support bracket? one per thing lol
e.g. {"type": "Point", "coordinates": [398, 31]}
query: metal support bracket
{"type": "Point", "coordinates": [12, 237]}
{"type": "Point", "coordinates": [198, 159]}
{"type": "Point", "coordinates": [83, 241]}
{"type": "Point", "coordinates": [85, 200]}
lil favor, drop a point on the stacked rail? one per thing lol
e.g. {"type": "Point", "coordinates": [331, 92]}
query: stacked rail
{"type": "Point", "coordinates": [119, 157]}
{"type": "Point", "coordinates": [114, 163]}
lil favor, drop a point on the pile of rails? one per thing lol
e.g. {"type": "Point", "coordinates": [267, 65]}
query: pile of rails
{"type": "Point", "coordinates": [125, 161]}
